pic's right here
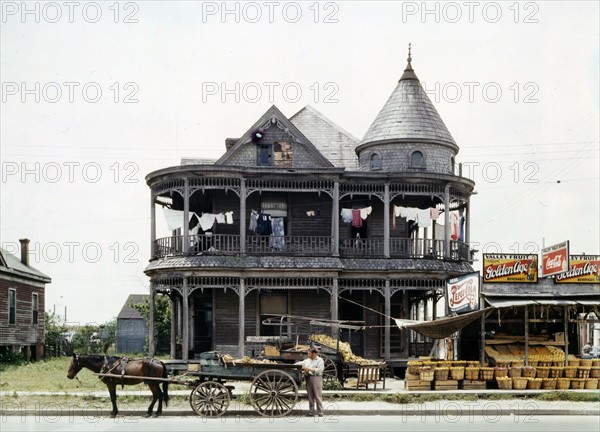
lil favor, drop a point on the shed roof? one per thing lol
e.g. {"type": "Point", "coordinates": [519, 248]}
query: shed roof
{"type": "Point", "coordinates": [127, 312]}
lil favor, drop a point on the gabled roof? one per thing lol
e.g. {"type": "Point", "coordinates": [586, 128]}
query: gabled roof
{"type": "Point", "coordinates": [409, 116]}
{"type": "Point", "coordinates": [127, 312]}
{"type": "Point", "coordinates": [274, 116]}
{"type": "Point", "coordinates": [13, 265]}
{"type": "Point", "coordinates": [331, 140]}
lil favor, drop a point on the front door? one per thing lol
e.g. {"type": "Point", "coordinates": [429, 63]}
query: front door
{"type": "Point", "coordinates": [203, 317]}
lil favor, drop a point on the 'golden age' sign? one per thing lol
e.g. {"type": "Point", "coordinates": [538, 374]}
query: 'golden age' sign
{"type": "Point", "coordinates": [511, 268]}
{"type": "Point", "coordinates": [583, 269]}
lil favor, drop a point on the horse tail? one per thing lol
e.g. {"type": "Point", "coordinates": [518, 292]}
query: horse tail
{"type": "Point", "coordinates": [165, 384]}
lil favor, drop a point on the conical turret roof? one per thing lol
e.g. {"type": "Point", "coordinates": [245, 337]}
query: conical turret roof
{"type": "Point", "coordinates": [408, 115]}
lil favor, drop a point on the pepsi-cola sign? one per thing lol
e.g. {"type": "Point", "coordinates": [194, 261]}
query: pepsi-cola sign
{"type": "Point", "coordinates": [462, 293]}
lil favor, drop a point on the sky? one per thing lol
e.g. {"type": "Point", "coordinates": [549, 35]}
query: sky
{"type": "Point", "coordinates": [97, 95]}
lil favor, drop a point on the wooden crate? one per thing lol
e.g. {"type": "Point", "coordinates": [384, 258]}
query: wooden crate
{"type": "Point", "coordinates": [473, 385]}
{"type": "Point", "coordinates": [418, 385]}
{"type": "Point", "coordinates": [445, 385]}
{"type": "Point", "coordinates": [412, 377]}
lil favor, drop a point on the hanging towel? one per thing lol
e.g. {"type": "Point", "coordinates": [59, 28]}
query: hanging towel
{"type": "Point", "coordinates": [356, 219]}
{"type": "Point", "coordinates": [410, 213]}
{"type": "Point", "coordinates": [277, 239]}
{"type": "Point", "coordinates": [346, 215]}
{"type": "Point", "coordinates": [454, 228]}
{"type": "Point", "coordinates": [435, 214]}
{"type": "Point", "coordinates": [207, 220]}
{"type": "Point", "coordinates": [253, 221]}
{"type": "Point", "coordinates": [365, 212]}
{"type": "Point", "coordinates": [174, 218]}
{"type": "Point", "coordinates": [397, 211]}
{"type": "Point", "coordinates": [424, 217]}
{"type": "Point", "coordinates": [220, 218]}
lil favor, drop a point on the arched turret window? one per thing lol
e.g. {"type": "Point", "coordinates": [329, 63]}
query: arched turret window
{"type": "Point", "coordinates": [417, 159]}
{"type": "Point", "coordinates": [452, 164]}
{"type": "Point", "coordinates": [375, 162]}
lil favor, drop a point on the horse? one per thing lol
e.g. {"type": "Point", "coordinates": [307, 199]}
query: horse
{"type": "Point", "coordinates": [126, 368]}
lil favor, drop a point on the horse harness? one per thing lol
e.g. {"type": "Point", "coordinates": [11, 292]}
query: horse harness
{"type": "Point", "coordinates": [122, 362]}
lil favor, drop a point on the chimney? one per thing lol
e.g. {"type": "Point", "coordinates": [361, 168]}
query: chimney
{"type": "Point", "coordinates": [24, 251]}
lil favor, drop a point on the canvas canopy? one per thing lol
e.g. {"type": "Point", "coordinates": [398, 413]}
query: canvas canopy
{"type": "Point", "coordinates": [443, 327]}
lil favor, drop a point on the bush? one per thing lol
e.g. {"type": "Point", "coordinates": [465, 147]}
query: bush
{"type": "Point", "coordinates": [9, 357]}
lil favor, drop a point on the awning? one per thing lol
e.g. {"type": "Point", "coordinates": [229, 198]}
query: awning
{"type": "Point", "coordinates": [443, 327]}
{"type": "Point", "coordinates": [502, 302]}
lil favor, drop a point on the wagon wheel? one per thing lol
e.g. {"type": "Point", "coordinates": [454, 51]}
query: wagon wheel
{"type": "Point", "coordinates": [210, 399]}
{"type": "Point", "coordinates": [273, 393]}
{"type": "Point", "coordinates": [330, 372]}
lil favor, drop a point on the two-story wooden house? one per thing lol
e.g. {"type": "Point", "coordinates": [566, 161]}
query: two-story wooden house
{"type": "Point", "coordinates": [299, 217]}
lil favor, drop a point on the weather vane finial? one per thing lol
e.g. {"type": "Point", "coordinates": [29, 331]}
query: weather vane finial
{"type": "Point", "coordinates": [409, 57]}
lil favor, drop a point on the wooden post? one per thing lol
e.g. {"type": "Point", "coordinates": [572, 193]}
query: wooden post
{"type": "Point", "coordinates": [482, 331]}
{"type": "Point", "coordinates": [405, 332]}
{"type": "Point", "coordinates": [334, 307]}
{"type": "Point", "coordinates": [387, 321]}
{"type": "Point", "coordinates": [151, 350]}
{"type": "Point", "coordinates": [566, 328]}
{"type": "Point", "coordinates": [243, 216]}
{"type": "Point", "coordinates": [447, 221]}
{"type": "Point", "coordinates": [186, 215]}
{"type": "Point", "coordinates": [335, 226]}
{"type": "Point", "coordinates": [173, 354]}
{"type": "Point", "coordinates": [386, 221]}
{"type": "Point", "coordinates": [153, 251]}
{"type": "Point", "coordinates": [526, 335]}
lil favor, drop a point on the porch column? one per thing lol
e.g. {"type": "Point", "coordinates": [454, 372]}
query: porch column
{"type": "Point", "coordinates": [386, 220]}
{"type": "Point", "coordinates": [242, 318]}
{"type": "Point", "coordinates": [335, 219]}
{"type": "Point", "coordinates": [526, 335]}
{"type": "Point", "coordinates": [186, 215]}
{"type": "Point", "coordinates": [242, 216]}
{"type": "Point", "coordinates": [173, 326]}
{"type": "Point", "coordinates": [185, 343]}
{"type": "Point", "coordinates": [405, 332]}
{"type": "Point", "coordinates": [151, 350]}
{"type": "Point", "coordinates": [387, 320]}
{"type": "Point", "coordinates": [468, 222]}
{"type": "Point", "coordinates": [152, 224]}
{"type": "Point", "coordinates": [447, 221]}
{"type": "Point", "coordinates": [335, 290]}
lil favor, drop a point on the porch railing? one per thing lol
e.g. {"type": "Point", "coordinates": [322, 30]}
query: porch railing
{"type": "Point", "coordinates": [229, 244]}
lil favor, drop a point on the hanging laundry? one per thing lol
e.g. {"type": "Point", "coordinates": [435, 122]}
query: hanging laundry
{"type": "Point", "coordinates": [356, 219]}
{"type": "Point", "coordinates": [462, 229]}
{"type": "Point", "coordinates": [397, 211]}
{"type": "Point", "coordinates": [365, 212]}
{"type": "Point", "coordinates": [253, 221]}
{"type": "Point", "coordinates": [454, 228]}
{"type": "Point", "coordinates": [264, 224]}
{"type": "Point", "coordinates": [424, 217]}
{"type": "Point", "coordinates": [174, 218]}
{"type": "Point", "coordinates": [310, 213]}
{"type": "Point", "coordinates": [277, 240]}
{"type": "Point", "coordinates": [229, 217]}
{"type": "Point", "coordinates": [435, 214]}
{"type": "Point", "coordinates": [410, 213]}
{"type": "Point", "coordinates": [220, 218]}
{"type": "Point", "coordinates": [346, 215]}
{"type": "Point", "coordinates": [207, 220]}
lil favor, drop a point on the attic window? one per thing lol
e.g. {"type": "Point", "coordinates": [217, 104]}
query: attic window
{"type": "Point", "coordinates": [375, 162]}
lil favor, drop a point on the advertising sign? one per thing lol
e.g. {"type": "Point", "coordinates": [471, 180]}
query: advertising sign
{"type": "Point", "coordinates": [462, 293]}
{"type": "Point", "coordinates": [510, 268]}
{"type": "Point", "coordinates": [555, 259]}
{"type": "Point", "coordinates": [583, 269]}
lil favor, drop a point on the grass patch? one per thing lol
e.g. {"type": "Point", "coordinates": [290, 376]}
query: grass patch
{"type": "Point", "coordinates": [568, 396]}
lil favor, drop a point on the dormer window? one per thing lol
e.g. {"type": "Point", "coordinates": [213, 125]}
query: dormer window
{"type": "Point", "coordinates": [264, 155]}
{"type": "Point", "coordinates": [417, 159]}
{"type": "Point", "coordinates": [375, 162]}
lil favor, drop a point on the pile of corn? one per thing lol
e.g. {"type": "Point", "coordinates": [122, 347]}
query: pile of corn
{"type": "Point", "coordinates": [229, 359]}
{"type": "Point", "coordinates": [344, 349]}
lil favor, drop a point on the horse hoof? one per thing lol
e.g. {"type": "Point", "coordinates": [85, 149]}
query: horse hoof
{"type": "Point", "coordinates": [156, 415]}
{"type": "Point", "coordinates": [148, 415]}
{"type": "Point", "coordinates": [112, 415]}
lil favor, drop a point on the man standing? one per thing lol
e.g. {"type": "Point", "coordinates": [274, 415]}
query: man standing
{"type": "Point", "coordinates": [313, 367]}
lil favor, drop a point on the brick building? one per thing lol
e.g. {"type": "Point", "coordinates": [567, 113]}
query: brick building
{"type": "Point", "coordinates": [22, 301]}
{"type": "Point", "coordinates": [299, 217]}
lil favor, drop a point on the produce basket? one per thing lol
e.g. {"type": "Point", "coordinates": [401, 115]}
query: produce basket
{"type": "Point", "coordinates": [595, 362]}
{"type": "Point", "coordinates": [473, 363]}
{"type": "Point", "coordinates": [520, 383]}
{"type": "Point", "coordinates": [584, 363]}
{"type": "Point", "coordinates": [486, 373]}
{"type": "Point", "coordinates": [563, 383]}
{"type": "Point", "coordinates": [556, 371]}
{"type": "Point", "coordinates": [441, 373]}
{"type": "Point", "coordinates": [426, 374]}
{"type": "Point", "coordinates": [503, 364]}
{"type": "Point", "coordinates": [577, 383]}
{"type": "Point", "coordinates": [528, 372]}
{"type": "Point", "coordinates": [414, 366]}
{"type": "Point", "coordinates": [515, 372]}
{"type": "Point", "coordinates": [500, 372]}
{"type": "Point", "coordinates": [457, 373]}
{"type": "Point", "coordinates": [517, 363]}
{"type": "Point", "coordinates": [574, 361]}
{"type": "Point", "coordinates": [548, 383]}
{"type": "Point", "coordinates": [461, 363]}
{"type": "Point", "coordinates": [570, 371]}
{"type": "Point", "coordinates": [534, 383]}
{"type": "Point", "coordinates": [583, 372]}
{"type": "Point", "coordinates": [504, 383]}
{"type": "Point", "coordinates": [595, 372]}
{"type": "Point", "coordinates": [472, 373]}
{"type": "Point", "coordinates": [542, 372]}
{"type": "Point", "coordinates": [591, 384]}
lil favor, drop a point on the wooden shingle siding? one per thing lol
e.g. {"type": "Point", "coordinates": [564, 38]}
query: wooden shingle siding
{"type": "Point", "coordinates": [303, 225]}
{"type": "Point", "coordinates": [226, 318]}
{"type": "Point", "coordinates": [23, 332]}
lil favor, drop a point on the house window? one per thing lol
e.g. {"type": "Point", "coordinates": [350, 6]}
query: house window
{"type": "Point", "coordinates": [12, 306]}
{"type": "Point", "coordinates": [264, 155]}
{"type": "Point", "coordinates": [34, 308]}
{"type": "Point", "coordinates": [417, 159]}
{"type": "Point", "coordinates": [375, 162]}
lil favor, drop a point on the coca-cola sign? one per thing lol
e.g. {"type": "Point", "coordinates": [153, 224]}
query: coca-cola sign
{"type": "Point", "coordinates": [555, 259]}
{"type": "Point", "coordinates": [517, 268]}
{"type": "Point", "coordinates": [582, 269]}
{"type": "Point", "coordinates": [462, 293]}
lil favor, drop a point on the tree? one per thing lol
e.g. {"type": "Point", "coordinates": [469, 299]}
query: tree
{"type": "Point", "coordinates": [162, 319]}
{"type": "Point", "coordinates": [53, 334]}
